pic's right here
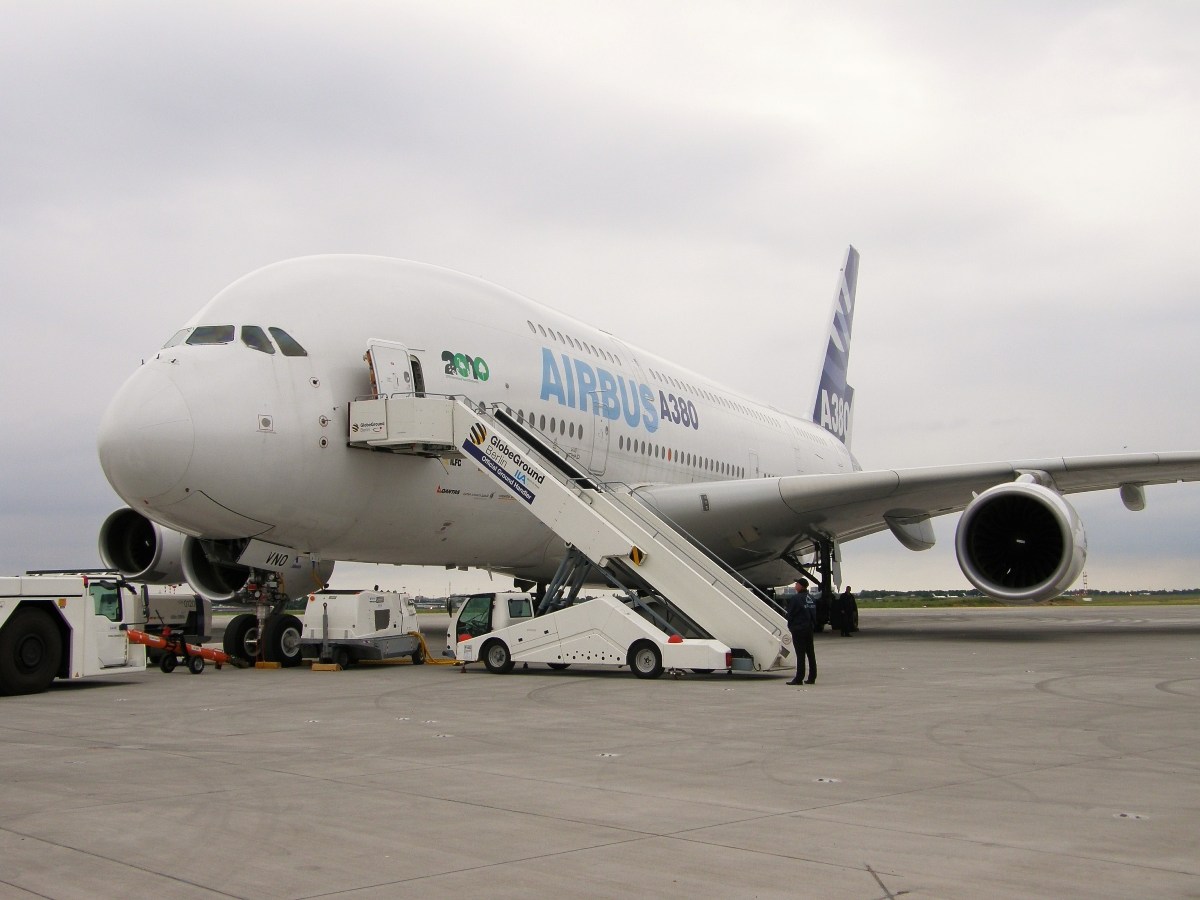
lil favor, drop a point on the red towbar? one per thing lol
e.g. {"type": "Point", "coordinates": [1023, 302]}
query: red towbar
{"type": "Point", "coordinates": [173, 648]}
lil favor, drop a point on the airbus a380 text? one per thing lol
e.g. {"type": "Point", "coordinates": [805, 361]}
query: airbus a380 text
{"type": "Point", "coordinates": [237, 429]}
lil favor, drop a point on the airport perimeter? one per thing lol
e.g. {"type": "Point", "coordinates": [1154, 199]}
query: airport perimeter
{"type": "Point", "coordinates": [942, 753]}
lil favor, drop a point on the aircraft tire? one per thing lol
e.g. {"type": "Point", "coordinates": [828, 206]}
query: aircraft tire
{"type": "Point", "coordinates": [30, 652]}
{"type": "Point", "coordinates": [497, 658]}
{"type": "Point", "coordinates": [241, 637]}
{"type": "Point", "coordinates": [283, 641]}
{"type": "Point", "coordinates": [645, 660]}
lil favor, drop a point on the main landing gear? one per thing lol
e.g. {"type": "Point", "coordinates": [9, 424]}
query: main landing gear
{"type": "Point", "coordinates": [821, 573]}
{"type": "Point", "coordinates": [274, 639]}
{"type": "Point", "coordinates": [270, 634]}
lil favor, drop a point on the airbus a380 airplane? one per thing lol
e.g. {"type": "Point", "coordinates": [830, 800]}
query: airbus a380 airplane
{"type": "Point", "coordinates": [237, 430]}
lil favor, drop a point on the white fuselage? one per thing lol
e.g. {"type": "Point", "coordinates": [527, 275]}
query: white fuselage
{"type": "Point", "coordinates": [222, 440]}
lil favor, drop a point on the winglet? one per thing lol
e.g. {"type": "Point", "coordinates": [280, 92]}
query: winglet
{"type": "Point", "coordinates": [833, 405]}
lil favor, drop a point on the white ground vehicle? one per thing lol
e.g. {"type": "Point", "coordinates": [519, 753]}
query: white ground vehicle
{"type": "Point", "coordinates": [347, 627]}
{"type": "Point", "coordinates": [184, 611]}
{"type": "Point", "coordinates": [600, 631]}
{"type": "Point", "coordinates": [480, 614]}
{"type": "Point", "coordinates": [66, 626]}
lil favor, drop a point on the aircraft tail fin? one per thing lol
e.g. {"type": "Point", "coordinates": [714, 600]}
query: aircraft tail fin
{"type": "Point", "coordinates": [833, 405]}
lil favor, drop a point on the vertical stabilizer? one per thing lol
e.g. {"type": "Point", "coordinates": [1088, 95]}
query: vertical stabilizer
{"type": "Point", "coordinates": [833, 406]}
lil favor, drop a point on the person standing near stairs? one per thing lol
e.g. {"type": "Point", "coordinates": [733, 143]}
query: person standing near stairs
{"type": "Point", "coordinates": [801, 619]}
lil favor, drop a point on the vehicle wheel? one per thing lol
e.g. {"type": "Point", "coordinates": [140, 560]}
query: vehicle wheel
{"type": "Point", "coordinates": [418, 656]}
{"type": "Point", "coordinates": [341, 656]}
{"type": "Point", "coordinates": [283, 641]}
{"type": "Point", "coordinates": [496, 657]}
{"type": "Point", "coordinates": [645, 660]}
{"type": "Point", "coordinates": [30, 651]}
{"type": "Point", "coordinates": [703, 671]}
{"type": "Point", "coordinates": [168, 663]}
{"type": "Point", "coordinates": [559, 666]}
{"type": "Point", "coordinates": [195, 664]}
{"type": "Point", "coordinates": [241, 637]}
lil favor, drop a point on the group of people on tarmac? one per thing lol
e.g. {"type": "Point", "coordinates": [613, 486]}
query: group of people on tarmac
{"type": "Point", "coordinates": [802, 621]}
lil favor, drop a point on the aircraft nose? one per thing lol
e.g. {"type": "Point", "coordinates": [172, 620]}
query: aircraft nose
{"type": "Point", "coordinates": [146, 436]}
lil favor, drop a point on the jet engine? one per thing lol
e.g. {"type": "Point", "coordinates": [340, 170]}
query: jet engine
{"type": "Point", "coordinates": [1020, 543]}
{"type": "Point", "coordinates": [212, 569]}
{"type": "Point", "coordinates": [141, 550]}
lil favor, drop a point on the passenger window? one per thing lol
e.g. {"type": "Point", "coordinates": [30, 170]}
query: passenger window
{"type": "Point", "coordinates": [211, 334]}
{"type": "Point", "coordinates": [287, 344]}
{"type": "Point", "coordinates": [256, 339]}
{"type": "Point", "coordinates": [106, 601]}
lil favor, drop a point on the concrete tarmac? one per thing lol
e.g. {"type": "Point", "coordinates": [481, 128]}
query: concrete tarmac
{"type": "Point", "coordinates": [1044, 752]}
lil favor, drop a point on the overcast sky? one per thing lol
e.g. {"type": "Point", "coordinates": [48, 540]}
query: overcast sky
{"type": "Point", "coordinates": [1020, 178]}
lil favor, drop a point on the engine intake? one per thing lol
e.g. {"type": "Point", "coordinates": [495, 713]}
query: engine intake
{"type": "Point", "coordinates": [1020, 543]}
{"type": "Point", "coordinates": [211, 567]}
{"type": "Point", "coordinates": [141, 550]}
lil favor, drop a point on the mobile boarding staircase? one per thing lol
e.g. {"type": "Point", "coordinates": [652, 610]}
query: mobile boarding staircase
{"type": "Point", "coordinates": [607, 529]}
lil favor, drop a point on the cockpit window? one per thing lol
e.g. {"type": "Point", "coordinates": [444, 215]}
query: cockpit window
{"type": "Point", "coordinates": [211, 334]}
{"type": "Point", "coordinates": [177, 338]}
{"type": "Point", "coordinates": [287, 343]}
{"type": "Point", "coordinates": [256, 339]}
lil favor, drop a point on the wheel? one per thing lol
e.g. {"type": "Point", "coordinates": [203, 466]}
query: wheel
{"type": "Point", "coordinates": [559, 666]}
{"type": "Point", "coordinates": [241, 637]}
{"type": "Point", "coordinates": [283, 641]}
{"type": "Point", "coordinates": [496, 657]}
{"type": "Point", "coordinates": [418, 656]}
{"type": "Point", "coordinates": [341, 656]}
{"type": "Point", "coordinates": [30, 651]}
{"type": "Point", "coordinates": [168, 663]}
{"type": "Point", "coordinates": [645, 660]}
{"type": "Point", "coordinates": [703, 671]}
{"type": "Point", "coordinates": [195, 664]}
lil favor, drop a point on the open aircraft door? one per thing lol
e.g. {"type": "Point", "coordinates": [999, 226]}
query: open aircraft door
{"type": "Point", "coordinates": [391, 372]}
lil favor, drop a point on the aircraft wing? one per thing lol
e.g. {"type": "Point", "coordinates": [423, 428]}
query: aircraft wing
{"type": "Point", "coordinates": [751, 521]}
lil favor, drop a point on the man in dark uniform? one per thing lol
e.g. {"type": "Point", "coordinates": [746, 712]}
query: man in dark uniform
{"type": "Point", "coordinates": [848, 612]}
{"type": "Point", "coordinates": [801, 617]}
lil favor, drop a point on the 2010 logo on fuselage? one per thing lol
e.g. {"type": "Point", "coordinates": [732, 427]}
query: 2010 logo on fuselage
{"type": "Point", "coordinates": [459, 365]}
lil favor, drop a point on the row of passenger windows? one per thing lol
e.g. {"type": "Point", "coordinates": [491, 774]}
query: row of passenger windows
{"type": "Point", "coordinates": [252, 336]}
{"type": "Point", "coordinates": [715, 398]}
{"type": "Point", "coordinates": [554, 425]}
{"type": "Point", "coordinates": [581, 346]}
{"type": "Point", "coordinates": [681, 457]}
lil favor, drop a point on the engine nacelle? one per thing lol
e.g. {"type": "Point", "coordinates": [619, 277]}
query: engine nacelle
{"type": "Point", "coordinates": [1020, 543]}
{"type": "Point", "coordinates": [141, 550]}
{"type": "Point", "coordinates": [213, 570]}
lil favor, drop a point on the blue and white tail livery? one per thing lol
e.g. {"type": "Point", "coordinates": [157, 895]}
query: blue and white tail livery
{"type": "Point", "coordinates": [834, 404]}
